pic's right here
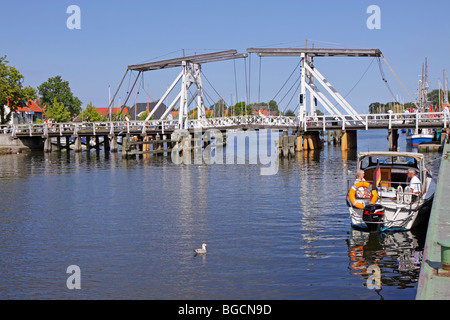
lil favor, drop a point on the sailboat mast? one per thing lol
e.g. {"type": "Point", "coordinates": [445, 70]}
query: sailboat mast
{"type": "Point", "coordinates": [445, 90]}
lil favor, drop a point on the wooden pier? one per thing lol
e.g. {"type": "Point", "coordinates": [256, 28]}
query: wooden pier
{"type": "Point", "coordinates": [434, 278]}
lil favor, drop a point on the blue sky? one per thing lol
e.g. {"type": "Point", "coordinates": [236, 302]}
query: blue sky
{"type": "Point", "coordinates": [115, 34]}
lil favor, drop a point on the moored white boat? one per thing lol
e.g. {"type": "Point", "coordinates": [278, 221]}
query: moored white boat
{"type": "Point", "coordinates": [393, 206]}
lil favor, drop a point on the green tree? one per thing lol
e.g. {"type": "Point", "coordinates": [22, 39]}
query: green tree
{"type": "Point", "coordinates": [273, 107]}
{"type": "Point", "coordinates": [57, 88]}
{"type": "Point", "coordinates": [241, 108]}
{"type": "Point", "coordinates": [12, 92]}
{"type": "Point", "coordinates": [117, 116]}
{"type": "Point", "coordinates": [376, 107]}
{"type": "Point", "coordinates": [219, 108]}
{"type": "Point", "coordinates": [144, 115]}
{"type": "Point", "coordinates": [57, 111]}
{"type": "Point", "coordinates": [319, 112]}
{"type": "Point", "coordinates": [289, 113]}
{"type": "Point", "coordinates": [92, 114]}
{"type": "Point", "coordinates": [433, 97]}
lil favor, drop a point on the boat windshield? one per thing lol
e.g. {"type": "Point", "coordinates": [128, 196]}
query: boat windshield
{"type": "Point", "coordinates": [367, 162]}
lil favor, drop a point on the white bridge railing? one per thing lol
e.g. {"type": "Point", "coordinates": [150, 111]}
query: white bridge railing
{"type": "Point", "coordinates": [416, 120]}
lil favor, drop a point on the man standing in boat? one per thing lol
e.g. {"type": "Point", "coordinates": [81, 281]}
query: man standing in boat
{"type": "Point", "coordinates": [414, 182]}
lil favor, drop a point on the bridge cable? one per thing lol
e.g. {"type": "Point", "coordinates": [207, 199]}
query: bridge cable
{"type": "Point", "coordinates": [384, 79]}
{"type": "Point", "coordinates": [293, 71]}
{"type": "Point", "coordinates": [235, 81]}
{"type": "Point", "coordinates": [259, 84]}
{"type": "Point", "coordinates": [245, 77]}
{"type": "Point", "coordinates": [356, 84]}
{"type": "Point", "coordinates": [384, 59]}
{"type": "Point", "coordinates": [213, 88]}
{"type": "Point", "coordinates": [295, 91]}
{"type": "Point", "coordinates": [295, 82]}
{"type": "Point", "coordinates": [360, 78]}
{"type": "Point", "coordinates": [249, 75]}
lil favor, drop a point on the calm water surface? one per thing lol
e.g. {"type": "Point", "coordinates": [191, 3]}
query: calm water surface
{"type": "Point", "coordinates": [131, 226]}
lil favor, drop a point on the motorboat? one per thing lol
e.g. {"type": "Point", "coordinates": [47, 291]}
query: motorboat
{"type": "Point", "coordinates": [386, 200]}
{"type": "Point", "coordinates": [414, 139]}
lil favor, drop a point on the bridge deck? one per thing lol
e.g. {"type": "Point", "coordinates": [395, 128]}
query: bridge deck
{"type": "Point", "coordinates": [435, 120]}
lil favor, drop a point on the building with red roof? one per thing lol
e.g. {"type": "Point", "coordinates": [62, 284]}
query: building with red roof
{"type": "Point", "coordinates": [30, 113]}
{"type": "Point", "coordinates": [105, 112]}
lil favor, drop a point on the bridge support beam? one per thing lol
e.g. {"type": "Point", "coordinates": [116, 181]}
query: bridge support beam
{"type": "Point", "coordinates": [106, 144]}
{"type": "Point", "coordinates": [299, 143]}
{"type": "Point", "coordinates": [393, 139]}
{"type": "Point", "coordinates": [349, 140]}
{"type": "Point", "coordinates": [311, 141]}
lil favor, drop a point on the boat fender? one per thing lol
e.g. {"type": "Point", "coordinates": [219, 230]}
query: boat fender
{"type": "Point", "coordinates": [407, 195]}
{"type": "Point", "coordinates": [399, 194]}
{"type": "Point", "coordinates": [352, 192]}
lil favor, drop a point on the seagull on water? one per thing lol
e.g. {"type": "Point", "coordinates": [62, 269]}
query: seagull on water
{"type": "Point", "coordinates": [202, 250]}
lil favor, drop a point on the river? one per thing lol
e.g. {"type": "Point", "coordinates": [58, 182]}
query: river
{"type": "Point", "coordinates": [131, 227]}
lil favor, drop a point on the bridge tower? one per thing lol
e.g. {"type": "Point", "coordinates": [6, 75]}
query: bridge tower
{"type": "Point", "coordinates": [310, 75]}
{"type": "Point", "coordinates": [189, 75]}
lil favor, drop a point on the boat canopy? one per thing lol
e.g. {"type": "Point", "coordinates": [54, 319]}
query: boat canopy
{"type": "Point", "coordinates": [415, 155]}
{"type": "Point", "coordinates": [391, 158]}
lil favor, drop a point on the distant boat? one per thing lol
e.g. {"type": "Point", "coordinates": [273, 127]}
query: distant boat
{"type": "Point", "coordinates": [415, 139]}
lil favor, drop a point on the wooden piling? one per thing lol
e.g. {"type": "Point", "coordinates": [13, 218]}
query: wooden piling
{"type": "Point", "coordinates": [58, 143]}
{"type": "Point", "coordinates": [106, 144]}
{"type": "Point", "coordinates": [113, 143]}
{"type": "Point", "coordinates": [349, 139]}
{"type": "Point", "coordinates": [299, 143]}
{"type": "Point", "coordinates": [77, 144]}
{"type": "Point", "coordinates": [286, 145]}
{"type": "Point", "coordinates": [47, 145]}
{"type": "Point", "coordinates": [393, 139]}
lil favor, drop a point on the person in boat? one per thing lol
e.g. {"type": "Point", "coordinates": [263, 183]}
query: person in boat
{"type": "Point", "coordinates": [361, 192]}
{"type": "Point", "coordinates": [414, 183]}
{"type": "Point", "coordinates": [359, 176]}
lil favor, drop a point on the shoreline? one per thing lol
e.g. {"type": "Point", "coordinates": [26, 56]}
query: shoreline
{"type": "Point", "coordinates": [4, 150]}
